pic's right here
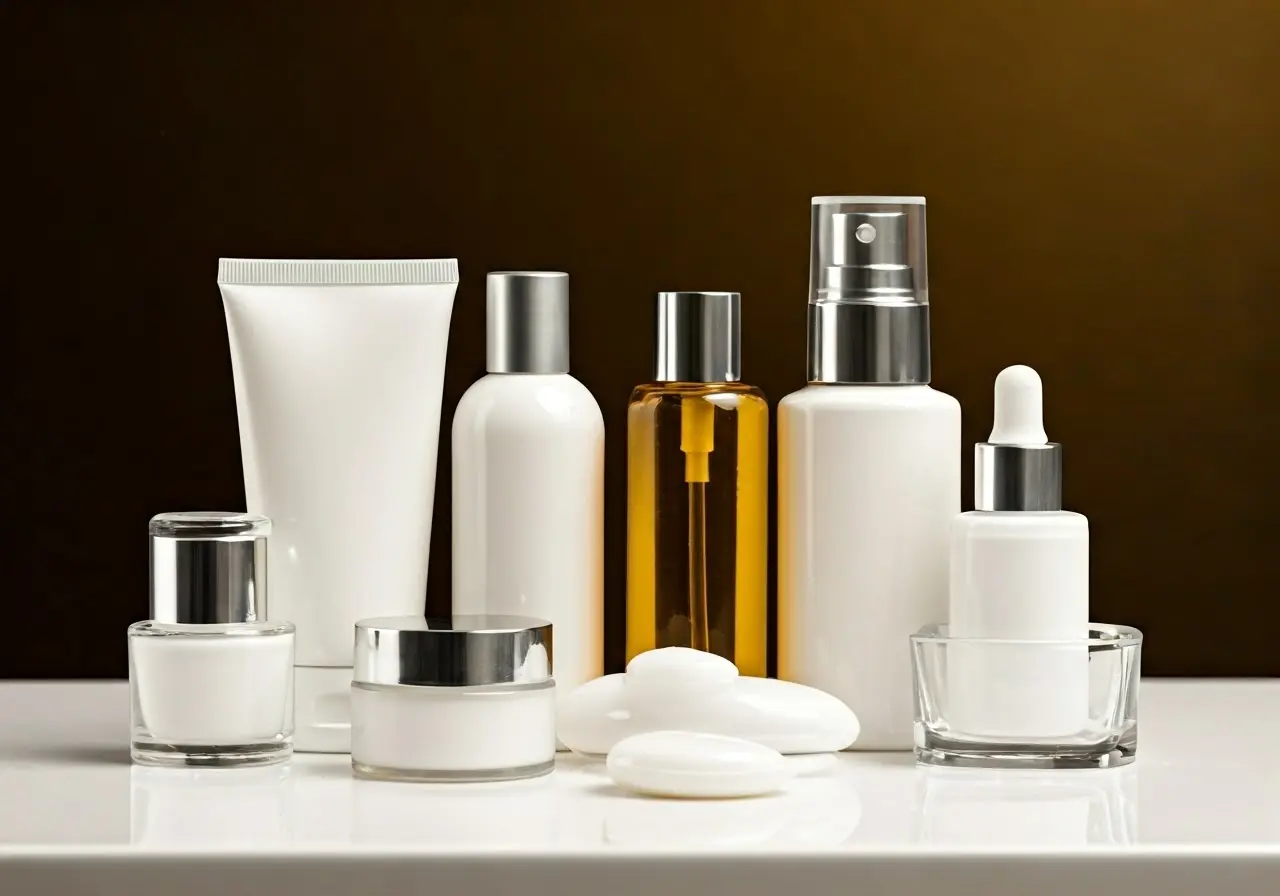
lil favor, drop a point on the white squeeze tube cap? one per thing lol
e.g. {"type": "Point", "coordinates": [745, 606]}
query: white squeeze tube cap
{"type": "Point", "coordinates": [1018, 468]}
{"type": "Point", "coordinates": [1019, 408]}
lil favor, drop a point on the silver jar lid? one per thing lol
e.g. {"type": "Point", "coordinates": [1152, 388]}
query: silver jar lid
{"type": "Point", "coordinates": [452, 651]}
{"type": "Point", "coordinates": [209, 567]}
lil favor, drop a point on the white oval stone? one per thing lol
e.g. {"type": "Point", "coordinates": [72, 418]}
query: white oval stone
{"type": "Point", "coordinates": [696, 766]}
{"type": "Point", "coordinates": [682, 663]}
{"type": "Point", "coordinates": [678, 689]}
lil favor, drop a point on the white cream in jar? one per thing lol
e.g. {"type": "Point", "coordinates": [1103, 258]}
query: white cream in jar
{"type": "Point", "coordinates": [462, 698]}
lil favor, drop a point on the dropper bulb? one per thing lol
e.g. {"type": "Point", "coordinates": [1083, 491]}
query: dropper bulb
{"type": "Point", "coordinates": [1019, 410]}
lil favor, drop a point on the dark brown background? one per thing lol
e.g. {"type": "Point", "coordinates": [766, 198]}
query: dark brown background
{"type": "Point", "coordinates": [1102, 181]}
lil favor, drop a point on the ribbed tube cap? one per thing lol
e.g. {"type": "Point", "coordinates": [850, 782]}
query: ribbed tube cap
{"type": "Point", "coordinates": [527, 322]}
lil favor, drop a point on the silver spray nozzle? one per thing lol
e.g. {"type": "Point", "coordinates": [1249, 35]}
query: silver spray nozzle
{"type": "Point", "coordinates": [868, 291]}
{"type": "Point", "coordinates": [869, 257]}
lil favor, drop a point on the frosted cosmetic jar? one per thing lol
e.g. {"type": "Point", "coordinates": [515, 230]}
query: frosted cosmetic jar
{"type": "Point", "coordinates": [1017, 703]}
{"type": "Point", "coordinates": [211, 685]}
{"type": "Point", "coordinates": [461, 698]}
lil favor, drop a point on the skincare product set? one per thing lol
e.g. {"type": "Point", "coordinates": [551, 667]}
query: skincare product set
{"type": "Point", "coordinates": [965, 636]}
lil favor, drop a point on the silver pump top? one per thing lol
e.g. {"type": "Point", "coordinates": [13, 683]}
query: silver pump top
{"type": "Point", "coordinates": [527, 322]}
{"type": "Point", "coordinates": [699, 337]}
{"type": "Point", "coordinates": [868, 291]}
{"type": "Point", "coordinates": [209, 567]}
{"type": "Point", "coordinates": [452, 651]}
{"type": "Point", "coordinates": [1018, 468]}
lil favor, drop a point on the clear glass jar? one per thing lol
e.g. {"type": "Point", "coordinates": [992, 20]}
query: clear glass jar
{"type": "Point", "coordinates": [212, 695]}
{"type": "Point", "coordinates": [1010, 703]}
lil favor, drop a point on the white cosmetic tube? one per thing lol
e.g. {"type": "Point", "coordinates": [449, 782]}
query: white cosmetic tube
{"type": "Point", "coordinates": [339, 375]}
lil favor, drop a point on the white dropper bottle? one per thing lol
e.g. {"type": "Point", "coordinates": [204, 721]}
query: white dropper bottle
{"type": "Point", "coordinates": [1019, 572]}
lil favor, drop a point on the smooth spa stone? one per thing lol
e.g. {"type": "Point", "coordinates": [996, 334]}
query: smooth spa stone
{"type": "Point", "coordinates": [679, 689]}
{"type": "Point", "coordinates": [695, 766]}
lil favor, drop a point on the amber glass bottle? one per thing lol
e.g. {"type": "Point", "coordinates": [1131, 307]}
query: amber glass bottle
{"type": "Point", "coordinates": [697, 490]}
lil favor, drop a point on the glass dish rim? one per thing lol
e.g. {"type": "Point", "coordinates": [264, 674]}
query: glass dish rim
{"type": "Point", "coordinates": [1119, 637]}
{"type": "Point", "coordinates": [154, 628]}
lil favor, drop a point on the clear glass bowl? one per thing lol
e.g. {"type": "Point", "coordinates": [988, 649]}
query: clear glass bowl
{"type": "Point", "coordinates": [1003, 703]}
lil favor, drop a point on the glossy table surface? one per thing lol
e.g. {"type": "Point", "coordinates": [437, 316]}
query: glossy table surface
{"type": "Point", "coordinates": [1199, 810]}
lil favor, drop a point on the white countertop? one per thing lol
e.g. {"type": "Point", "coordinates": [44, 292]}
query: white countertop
{"type": "Point", "coordinates": [1199, 812]}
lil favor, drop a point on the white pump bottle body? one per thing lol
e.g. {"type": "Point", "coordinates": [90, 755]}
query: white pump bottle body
{"type": "Point", "coordinates": [528, 510]}
{"type": "Point", "coordinates": [868, 469]}
{"type": "Point", "coordinates": [528, 479]}
{"type": "Point", "coordinates": [868, 487]}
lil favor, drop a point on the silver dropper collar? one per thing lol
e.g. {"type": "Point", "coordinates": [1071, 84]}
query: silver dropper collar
{"type": "Point", "coordinates": [1017, 477]}
{"type": "Point", "coordinates": [699, 337]}
{"type": "Point", "coordinates": [209, 567]}
{"type": "Point", "coordinates": [1018, 468]}
{"type": "Point", "coordinates": [868, 291]}
{"type": "Point", "coordinates": [527, 322]}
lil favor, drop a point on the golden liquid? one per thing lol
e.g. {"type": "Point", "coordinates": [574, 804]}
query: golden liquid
{"type": "Point", "coordinates": [697, 520]}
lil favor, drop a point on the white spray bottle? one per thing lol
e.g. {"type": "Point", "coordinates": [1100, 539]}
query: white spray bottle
{"type": "Point", "coordinates": [868, 468]}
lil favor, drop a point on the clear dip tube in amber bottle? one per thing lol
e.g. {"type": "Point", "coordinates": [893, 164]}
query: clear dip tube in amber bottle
{"type": "Point", "coordinates": [697, 490]}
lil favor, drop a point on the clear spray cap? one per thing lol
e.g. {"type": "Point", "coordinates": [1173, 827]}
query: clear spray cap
{"type": "Point", "coordinates": [868, 250]}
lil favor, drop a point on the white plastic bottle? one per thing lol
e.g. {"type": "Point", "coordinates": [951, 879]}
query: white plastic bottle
{"type": "Point", "coordinates": [528, 478]}
{"type": "Point", "coordinates": [1019, 572]}
{"type": "Point", "coordinates": [868, 469]}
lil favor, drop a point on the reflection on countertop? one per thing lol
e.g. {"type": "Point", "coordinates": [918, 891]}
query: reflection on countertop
{"type": "Point", "coordinates": [818, 809]}
{"type": "Point", "coordinates": [1024, 808]}
{"type": "Point", "coordinates": [174, 807]}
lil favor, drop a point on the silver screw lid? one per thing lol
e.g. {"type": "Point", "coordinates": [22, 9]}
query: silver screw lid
{"type": "Point", "coordinates": [699, 337]}
{"type": "Point", "coordinates": [209, 567]}
{"type": "Point", "coordinates": [868, 291]}
{"type": "Point", "coordinates": [452, 651]}
{"type": "Point", "coordinates": [1018, 468]}
{"type": "Point", "coordinates": [527, 322]}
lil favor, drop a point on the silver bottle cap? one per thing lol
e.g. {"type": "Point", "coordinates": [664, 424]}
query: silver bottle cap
{"type": "Point", "coordinates": [699, 337]}
{"type": "Point", "coordinates": [452, 651]}
{"type": "Point", "coordinates": [209, 567]}
{"type": "Point", "coordinates": [527, 322]}
{"type": "Point", "coordinates": [868, 291]}
{"type": "Point", "coordinates": [1018, 468]}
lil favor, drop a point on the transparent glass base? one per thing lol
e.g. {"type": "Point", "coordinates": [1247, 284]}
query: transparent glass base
{"type": "Point", "coordinates": [1025, 703]}
{"type": "Point", "coordinates": [210, 756]}
{"type": "Point", "coordinates": [938, 750]}
{"type": "Point", "coordinates": [454, 776]}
